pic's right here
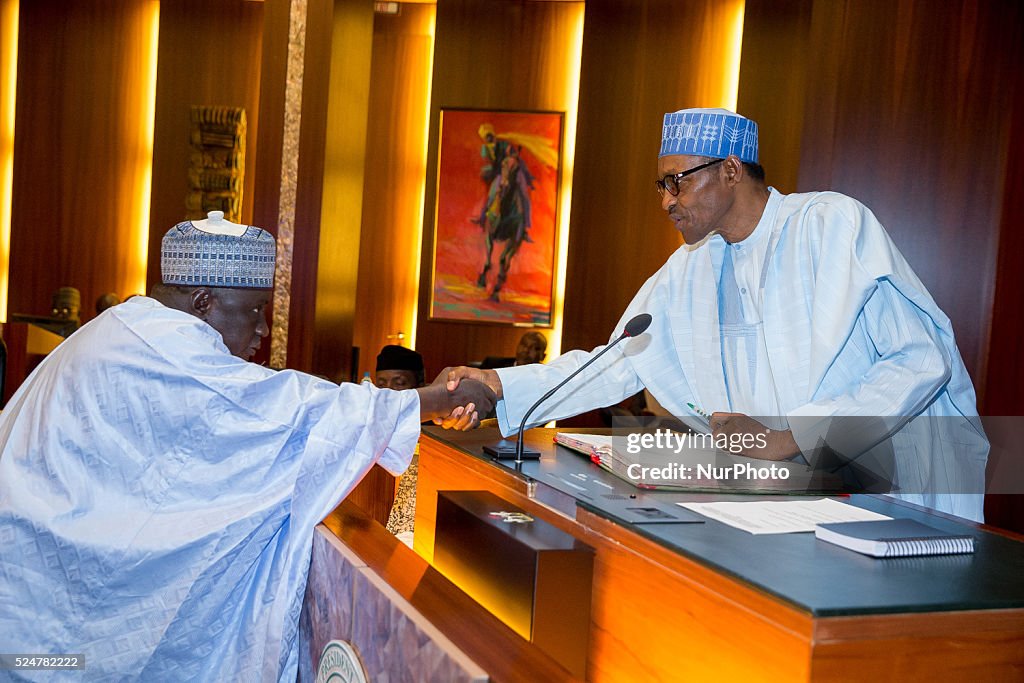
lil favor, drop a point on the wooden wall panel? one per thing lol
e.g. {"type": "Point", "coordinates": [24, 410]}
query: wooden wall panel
{"type": "Point", "coordinates": [772, 91]}
{"type": "Point", "coordinates": [209, 55]}
{"type": "Point", "coordinates": [908, 109]}
{"type": "Point", "coordinates": [320, 92]}
{"type": "Point", "coordinates": [396, 149]}
{"type": "Point", "coordinates": [641, 59]}
{"type": "Point", "coordinates": [339, 207]}
{"type": "Point", "coordinates": [1005, 369]}
{"type": "Point", "coordinates": [490, 55]}
{"type": "Point", "coordinates": [8, 78]}
{"type": "Point", "coordinates": [80, 153]}
{"type": "Point", "coordinates": [270, 134]}
{"type": "Point", "coordinates": [328, 181]}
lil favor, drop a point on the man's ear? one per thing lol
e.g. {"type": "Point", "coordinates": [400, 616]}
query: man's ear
{"type": "Point", "coordinates": [733, 169]}
{"type": "Point", "coordinates": [201, 301]}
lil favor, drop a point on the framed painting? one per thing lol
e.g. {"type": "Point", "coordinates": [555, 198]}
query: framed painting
{"type": "Point", "coordinates": [495, 221]}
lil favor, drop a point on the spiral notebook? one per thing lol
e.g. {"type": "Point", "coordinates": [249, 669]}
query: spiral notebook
{"type": "Point", "coordinates": [894, 538]}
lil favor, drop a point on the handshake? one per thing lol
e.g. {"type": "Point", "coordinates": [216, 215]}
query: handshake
{"type": "Point", "coordinates": [459, 396]}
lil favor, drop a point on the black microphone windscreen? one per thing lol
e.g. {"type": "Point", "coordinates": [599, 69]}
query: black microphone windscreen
{"type": "Point", "coordinates": [638, 324]}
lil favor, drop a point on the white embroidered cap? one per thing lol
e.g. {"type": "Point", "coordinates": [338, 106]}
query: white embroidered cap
{"type": "Point", "coordinates": [190, 255]}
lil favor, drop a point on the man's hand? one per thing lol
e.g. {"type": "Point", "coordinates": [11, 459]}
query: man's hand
{"type": "Point", "coordinates": [456, 409]}
{"type": "Point", "coordinates": [454, 376]}
{"type": "Point", "coordinates": [462, 417]}
{"type": "Point", "coordinates": [779, 445]}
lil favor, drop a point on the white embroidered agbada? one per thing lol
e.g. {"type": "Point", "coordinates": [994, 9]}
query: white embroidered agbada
{"type": "Point", "coordinates": [158, 497]}
{"type": "Point", "coordinates": [848, 330]}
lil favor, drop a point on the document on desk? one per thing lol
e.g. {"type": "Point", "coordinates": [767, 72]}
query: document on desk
{"type": "Point", "coordinates": [782, 517]}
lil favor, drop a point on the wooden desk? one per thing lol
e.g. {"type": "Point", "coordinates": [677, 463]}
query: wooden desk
{"type": "Point", "coordinates": [709, 602]}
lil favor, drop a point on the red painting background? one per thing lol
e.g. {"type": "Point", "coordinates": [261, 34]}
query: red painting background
{"type": "Point", "coordinates": [459, 244]}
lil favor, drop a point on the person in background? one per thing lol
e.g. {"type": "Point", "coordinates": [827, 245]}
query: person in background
{"type": "Point", "coordinates": [532, 348]}
{"type": "Point", "coordinates": [792, 316]}
{"type": "Point", "coordinates": [158, 492]}
{"type": "Point", "coordinates": [401, 368]}
{"type": "Point", "coordinates": [105, 301]}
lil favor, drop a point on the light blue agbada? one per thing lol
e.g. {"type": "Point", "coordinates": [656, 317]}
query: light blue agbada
{"type": "Point", "coordinates": [848, 328]}
{"type": "Point", "coordinates": [158, 497]}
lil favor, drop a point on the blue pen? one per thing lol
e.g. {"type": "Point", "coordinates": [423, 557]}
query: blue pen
{"type": "Point", "coordinates": [701, 413]}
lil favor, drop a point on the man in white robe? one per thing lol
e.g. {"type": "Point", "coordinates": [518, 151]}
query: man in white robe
{"type": "Point", "coordinates": [158, 492]}
{"type": "Point", "coordinates": [790, 313]}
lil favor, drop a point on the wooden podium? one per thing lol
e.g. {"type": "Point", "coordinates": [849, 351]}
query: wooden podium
{"type": "Point", "coordinates": [709, 602]}
{"type": "Point", "coordinates": [669, 601]}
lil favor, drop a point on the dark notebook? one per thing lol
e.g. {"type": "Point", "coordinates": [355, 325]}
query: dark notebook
{"type": "Point", "coordinates": [894, 538]}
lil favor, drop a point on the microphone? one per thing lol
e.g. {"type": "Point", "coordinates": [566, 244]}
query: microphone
{"type": "Point", "coordinates": [506, 450]}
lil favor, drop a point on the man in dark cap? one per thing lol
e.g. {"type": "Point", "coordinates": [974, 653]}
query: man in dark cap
{"type": "Point", "coordinates": [399, 368]}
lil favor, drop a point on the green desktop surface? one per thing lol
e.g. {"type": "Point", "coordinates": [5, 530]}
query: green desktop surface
{"type": "Point", "coordinates": [816, 576]}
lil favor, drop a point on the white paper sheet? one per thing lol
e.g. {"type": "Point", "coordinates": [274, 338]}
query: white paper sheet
{"type": "Point", "coordinates": [782, 517]}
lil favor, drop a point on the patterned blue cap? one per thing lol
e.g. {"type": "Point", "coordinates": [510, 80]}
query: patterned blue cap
{"type": "Point", "coordinates": [190, 256]}
{"type": "Point", "coordinates": [714, 133]}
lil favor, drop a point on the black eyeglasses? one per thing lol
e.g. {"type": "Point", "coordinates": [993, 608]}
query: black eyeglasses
{"type": "Point", "coordinates": [670, 182]}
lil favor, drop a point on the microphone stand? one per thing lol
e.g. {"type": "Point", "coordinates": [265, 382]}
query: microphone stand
{"type": "Point", "coordinates": [504, 450]}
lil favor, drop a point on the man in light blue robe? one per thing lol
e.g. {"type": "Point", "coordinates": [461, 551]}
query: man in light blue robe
{"type": "Point", "coordinates": [158, 492]}
{"type": "Point", "coordinates": [790, 313]}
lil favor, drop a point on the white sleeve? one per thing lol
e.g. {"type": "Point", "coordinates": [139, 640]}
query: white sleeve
{"type": "Point", "coordinates": [607, 381]}
{"type": "Point", "coordinates": [911, 368]}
